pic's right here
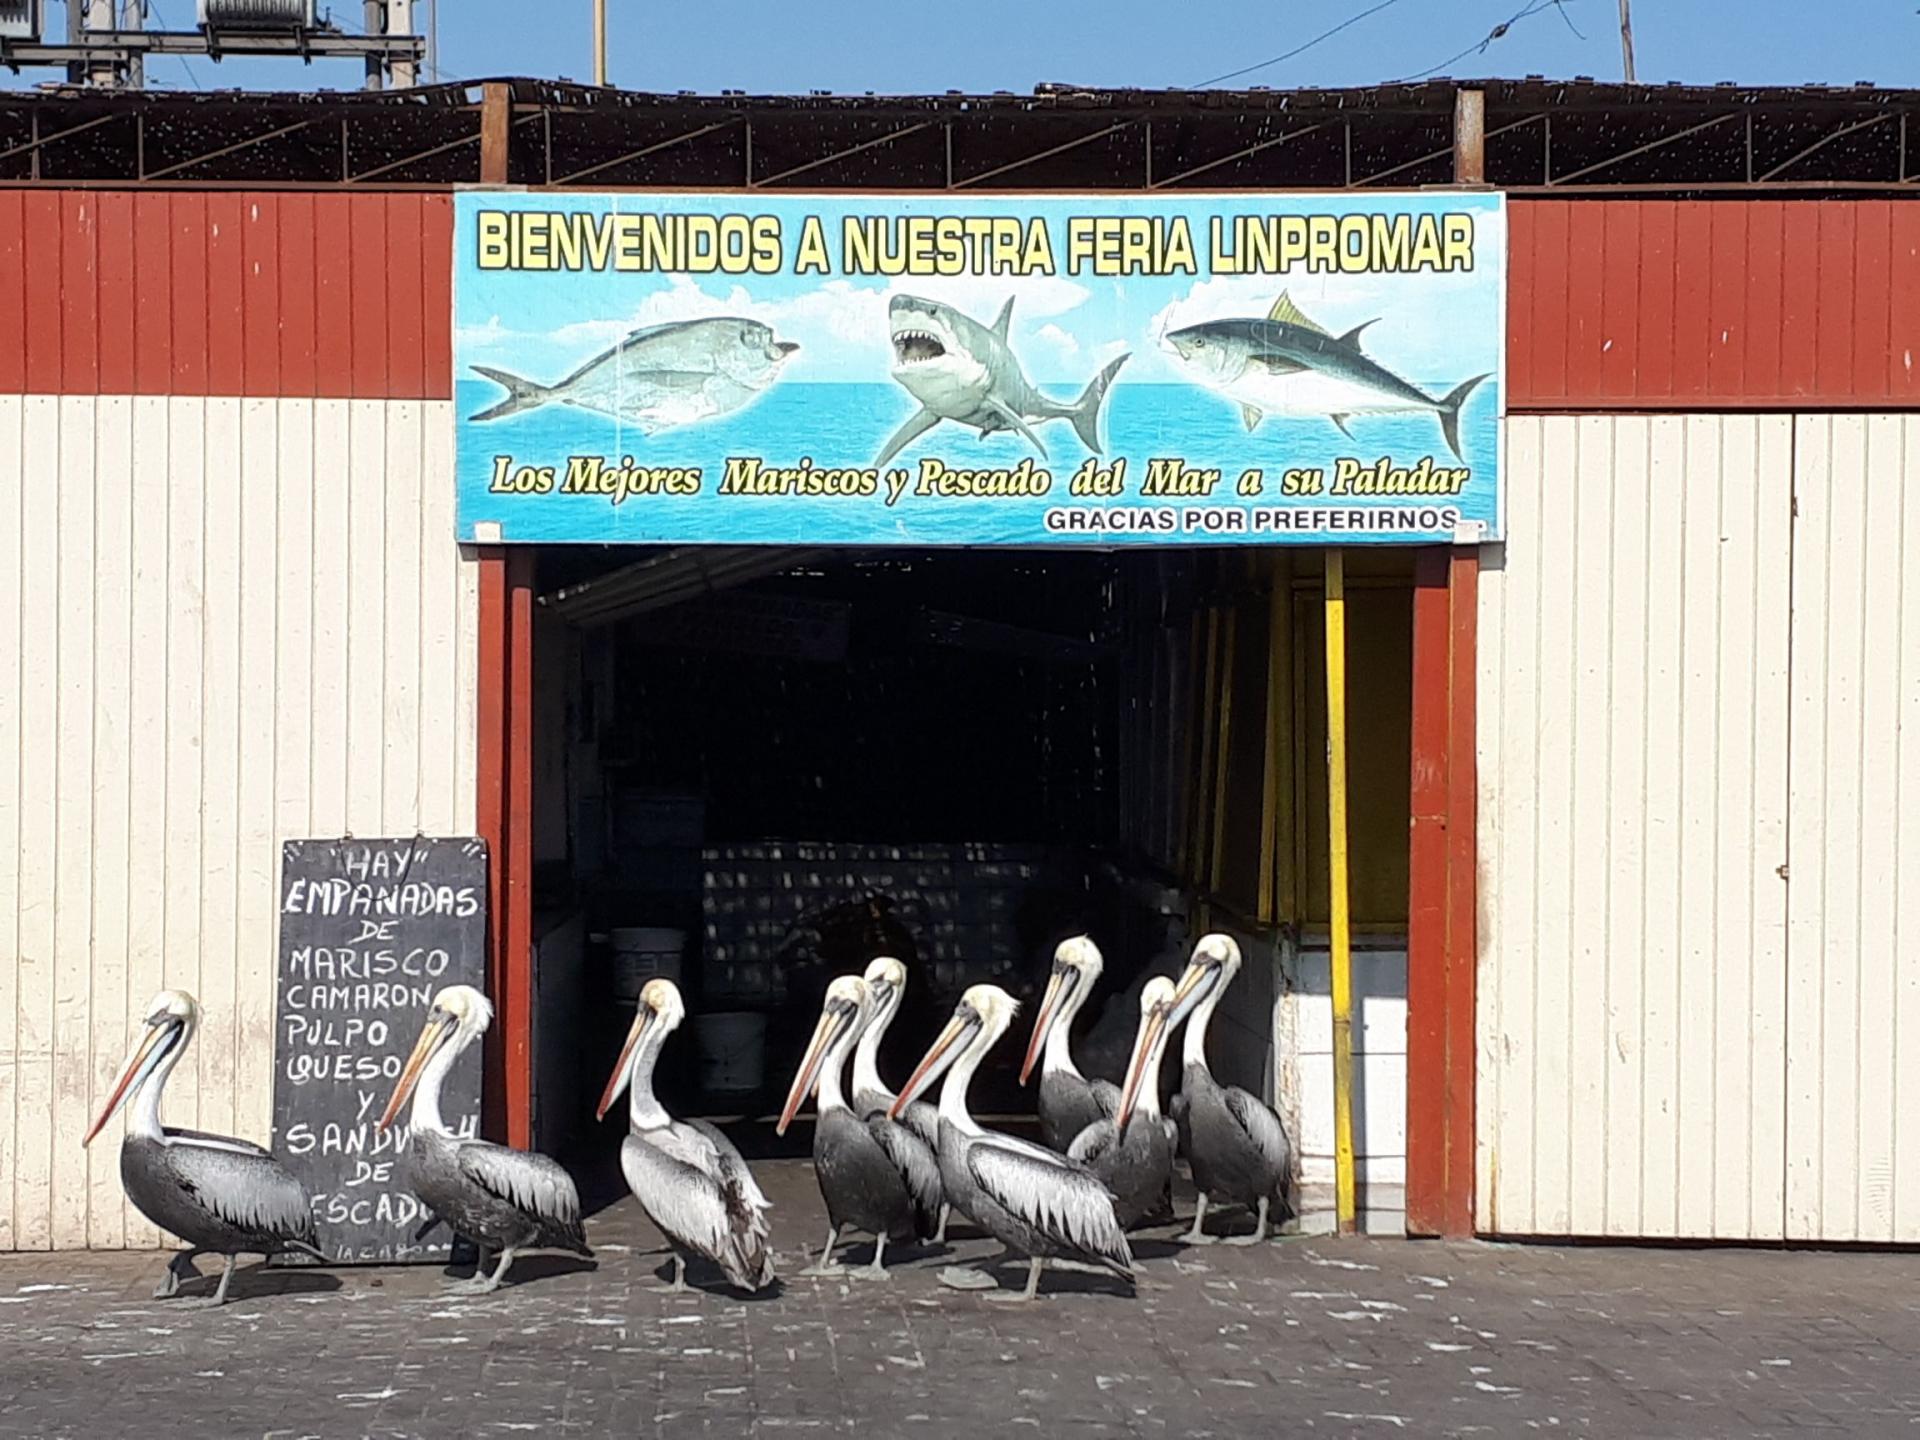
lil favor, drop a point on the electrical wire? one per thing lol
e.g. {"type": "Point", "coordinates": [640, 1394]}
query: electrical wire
{"type": "Point", "coordinates": [1299, 49]}
{"type": "Point", "coordinates": [152, 7]}
{"type": "Point", "coordinates": [1479, 47]}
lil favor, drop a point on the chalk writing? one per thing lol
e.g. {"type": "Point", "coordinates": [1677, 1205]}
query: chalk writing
{"type": "Point", "coordinates": [369, 931]}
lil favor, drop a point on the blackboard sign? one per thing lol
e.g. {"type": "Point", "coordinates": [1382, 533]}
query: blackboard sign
{"type": "Point", "coordinates": [370, 931]}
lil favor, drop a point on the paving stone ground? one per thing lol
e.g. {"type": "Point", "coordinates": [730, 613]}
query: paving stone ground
{"type": "Point", "coordinates": [1305, 1336]}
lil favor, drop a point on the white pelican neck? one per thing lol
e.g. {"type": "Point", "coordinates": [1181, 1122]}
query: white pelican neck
{"type": "Point", "coordinates": [144, 1118]}
{"type": "Point", "coordinates": [953, 1091]}
{"type": "Point", "coordinates": [425, 1114]}
{"type": "Point", "coordinates": [866, 1057]}
{"type": "Point", "coordinates": [1195, 1040]}
{"type": "Point", "coordinates": [643, 1111]}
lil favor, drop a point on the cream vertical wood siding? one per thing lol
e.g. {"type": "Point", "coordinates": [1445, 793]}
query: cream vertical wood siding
{"type": "Point", "coordinates": [1853, 948]}
{"type": "Point", "coordinates": [223, 623]}
{"type": "Point", "coordinates": [1633, 734]}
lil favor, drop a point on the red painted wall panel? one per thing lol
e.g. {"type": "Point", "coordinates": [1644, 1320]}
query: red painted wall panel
{"type": "Point", "coordinates": [40, 337]}
{"type": "Point", "coordinates": [183, 292]}
{"type": "Point", "coordinates": [13, 292]}
{"type": "Point", "coordinates": [79, 295]}
{"type": "Point", "coordinates": [299, 339]}
{"type": "Point", "coordinates": [114, 256]}
{"type": "Point", "coordinates": [1713, 304]}
{"type": "Point", "coordinates": [1614, 304]}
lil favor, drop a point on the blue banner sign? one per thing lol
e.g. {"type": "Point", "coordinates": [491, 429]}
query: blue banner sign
{"type": "Point", "coordinates": [979, 370]}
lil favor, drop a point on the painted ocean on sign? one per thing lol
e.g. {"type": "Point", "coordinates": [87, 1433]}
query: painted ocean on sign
{"type": "Point", "coordinates": [971, 393]}
{"type": "Point", "coordinates": [846, 425]}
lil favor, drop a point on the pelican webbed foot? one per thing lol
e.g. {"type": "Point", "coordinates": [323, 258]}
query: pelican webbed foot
{"type": "Point", "coordinates": [678, 1286]}
{"type": "Point", "coordinates": [1259, 1235]}
{"type": "Point", "coordinates": [955, 1277]}
{"type": "Point", "coordinates": [1198, 1236]}
{"type": "Point", "coordinates": [1020, 1297]}
{"type": "Point", "coordinates": [876, 1268]}
{"type": "Point", "coordinates": [219, 1296]}
{"type": "Point", "coordinates": [179, 1268]}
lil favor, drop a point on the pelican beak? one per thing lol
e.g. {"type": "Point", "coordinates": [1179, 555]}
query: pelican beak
{"type": "Point", "coordinates": [617, 1081]}
{"type": "Point", "coordinates": [834, 1020]}
{"type": "Point", "coordinates": [138, 1064]}
{"type": "Point", "coordinates": [1062, 980]}
{"type": "Point", "coordinates": [1194, 987]}
{"type": "Point", "coordinates": [1146, 1050]}
{"type": "Point", "coordinates": [945, 1051]}
{"type": "Point", "coordinates": [435, 1033]}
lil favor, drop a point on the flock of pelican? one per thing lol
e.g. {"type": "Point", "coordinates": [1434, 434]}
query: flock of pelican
{"type": "Point", "coordinates": [889, 1164]}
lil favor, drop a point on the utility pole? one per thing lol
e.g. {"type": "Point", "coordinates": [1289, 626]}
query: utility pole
{"type": "Point", "coordinates": [399, 21]}
{"type": "Point", "coordinates": [373, 20]}
{"type": "Point", "coordinates": [100, 16]}
{"type": "Point", "coordinates": [1626, 38]}
{"type": "Point", "coordinates": [600, 41]}
{"type": "Point", "coordinates": [133, 16]}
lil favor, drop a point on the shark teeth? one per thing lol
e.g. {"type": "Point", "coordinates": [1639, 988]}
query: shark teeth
{"type": "Point", "coordinates": [914, 347]}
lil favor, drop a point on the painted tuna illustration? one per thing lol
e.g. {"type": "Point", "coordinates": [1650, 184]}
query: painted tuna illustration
{"type": "Point", "coordinates": [660, 377]}
{"type": "Point", "coordinates": [1288, 365]}
{"type": "Point", "coordinates": [963, 371]}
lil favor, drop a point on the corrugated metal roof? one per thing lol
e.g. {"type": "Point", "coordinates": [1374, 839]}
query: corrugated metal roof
{"type": "Point", "coordinates": [1577, 133]}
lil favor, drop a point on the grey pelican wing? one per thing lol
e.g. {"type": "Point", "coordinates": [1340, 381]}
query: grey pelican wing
{"type": "Point", "coordinates": [730, 1167]}
{"type": "Point", "coordinates": [244, 1189]}
{"type": "Point", "coordinates": [917, 1166]}
{"type": "Point", "coordinates": [532, 1184]}
{"type": "Point", "coordinates": [1262, 1127]}
{"type": "Point", "coordinates": [1177, 1105]}
{"type": "Point", "coordinates": [676, 1175]}
{"type": "Point", "coordinates": [1093, 1142]}
{"type": "Point", "coordinates": [218, 1142]}
{"type": "Point", "coordinates": [1055, 1196]}
{"type": "Point", "coordinates": [924, 1121]}
{"type": "Point", "coordinates": [1106, 1095]}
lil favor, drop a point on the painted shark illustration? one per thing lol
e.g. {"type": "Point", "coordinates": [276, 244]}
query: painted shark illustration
{"type": "Point", "coordinates": [961, 370]}
{"type": "Point", "coordinates": [1288, 365]}
{"type": "Point", "coordinates": [661, 376]}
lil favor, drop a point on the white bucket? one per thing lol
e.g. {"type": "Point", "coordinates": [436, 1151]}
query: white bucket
{"type": "Point", "coordinates": [643, 952]}
{"type": "Point", "coordinates": [733, 1045]}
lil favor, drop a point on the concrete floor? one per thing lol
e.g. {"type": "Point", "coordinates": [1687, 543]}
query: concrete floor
{"type": "Point", "coordinates": [1321, 1336]}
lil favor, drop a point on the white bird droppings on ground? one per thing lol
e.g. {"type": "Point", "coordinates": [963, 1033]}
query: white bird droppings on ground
{"type": "Point", "coordinates": [1399, 1422]}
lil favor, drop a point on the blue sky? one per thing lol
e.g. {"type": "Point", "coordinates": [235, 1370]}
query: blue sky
{"type": "Point", "coordinates": [890, 46]}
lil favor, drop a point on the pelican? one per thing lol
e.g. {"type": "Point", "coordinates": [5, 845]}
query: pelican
{"type": "Point", "coordinates": [223, 1197]}
{"type": "Point", "coordinates": [495, 1197]}
{"type": "Point", "coordinates": [686, 1175]}
{"type": "Point", "coordinates": [1069, 1102]}
{"type": "Point", "coordinates": [1236, 1145]}
{"type": "Point", "coordinates": [1033, 1201]}
{"type": "Point", "coordinates": [1135, 1160]}
{"type": "Point", "coordinates": [886, 981]}
{"type": "Point", "coordinates": [874, 1174]}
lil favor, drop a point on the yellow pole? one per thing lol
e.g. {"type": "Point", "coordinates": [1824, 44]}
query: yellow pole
{"type": "Point", "coordinates": [600, 42]}
{"type": "Point", "coordinates": [1342, 956]}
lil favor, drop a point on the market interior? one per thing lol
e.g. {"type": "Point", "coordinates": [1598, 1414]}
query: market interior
{"type": "Point", "coordinates": [755, 769]}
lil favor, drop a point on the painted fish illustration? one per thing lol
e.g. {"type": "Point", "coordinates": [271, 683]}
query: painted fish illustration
{"type": "Point", "coordinates": [661, 376]}
{"type": "Point", "coordinates": [1288, 365]}
{"type": "Point", "coordinates": [961, 370]}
